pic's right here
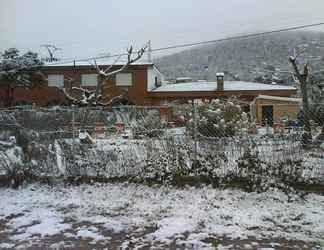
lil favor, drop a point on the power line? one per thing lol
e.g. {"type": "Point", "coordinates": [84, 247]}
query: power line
{"type": "Point", "coordinates": [196, 43]}
{"type": "Point", "coordinates": [203, 42]}
{"type": "Point", "coordinates": [240, 37]}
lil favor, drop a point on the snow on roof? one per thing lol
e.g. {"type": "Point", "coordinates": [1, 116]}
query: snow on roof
{"type": "Point", "coordinates": [183, 78]}
{"type": "Point", "coordinates": [190, 86]}
{"type": "Point", "coordinates": [91, 63]}
{"type": "Point", "coordinates": [212, 86]}
{"type": "Point", "coordinates": [279, 98]}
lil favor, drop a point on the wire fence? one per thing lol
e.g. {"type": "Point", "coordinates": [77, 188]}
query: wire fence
{"type": "Point", "coordinates": [128, 140]}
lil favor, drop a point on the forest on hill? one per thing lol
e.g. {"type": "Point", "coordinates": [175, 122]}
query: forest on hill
{"type": "Point", "coordinates": [262, 59]}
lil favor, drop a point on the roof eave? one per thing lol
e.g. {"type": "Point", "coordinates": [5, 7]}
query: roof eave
{"type": "Point", "coordinates": [277, 92]}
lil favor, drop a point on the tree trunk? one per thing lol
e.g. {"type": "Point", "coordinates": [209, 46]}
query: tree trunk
{"type": "Point", "coordinates": [303, 80]}
{"type": "Point", "coordinates": [98, 91]}
{"type": "Point", "coordinates": [307, 136]}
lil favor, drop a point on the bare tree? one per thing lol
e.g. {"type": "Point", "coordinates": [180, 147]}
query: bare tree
{"type": "Point", "coordinates": [303, 77]}
{"type": "Point", "coordinates": [95, 97]}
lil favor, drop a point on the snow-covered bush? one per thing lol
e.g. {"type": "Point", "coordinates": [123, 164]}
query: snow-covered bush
{"type": "Point", "coordinates": [7, 119]}
{"type": "Point", "coordinates": [8, 125]}
{"type": "Point", "coordinates": [18, 165]}
{"type": "Point", "coordinates": [257, 175]}
{"type": "Point", "coordinates": [12, 165]}
{"type": "Point", "coordinates": [221, 118]}
{"type": "Point", "coordinates": [181, 114]}
{"type": "Point", "coordinates": [177, 165]}
{"type": "Point", "coordinates": [90, 161]}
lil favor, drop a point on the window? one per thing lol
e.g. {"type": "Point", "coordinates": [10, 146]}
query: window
{"type": "Point", "coordinates": [124, 79]}
{"type": "Point", "coordinates": [157, 82]}
{"type": "Point", "coordinates": [55, 80]}
{"type": "Point", "coordinates": [89, 79]}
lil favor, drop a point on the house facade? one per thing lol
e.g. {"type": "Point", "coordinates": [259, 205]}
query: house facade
{"type": "Point", "coordinates": [135, 81]}
{"type": "Point", "coordinates": [142, 83]}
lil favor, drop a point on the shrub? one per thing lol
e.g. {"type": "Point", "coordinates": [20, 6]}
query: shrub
{"type": "Point", "coordinates": [221, 118]}
{"type": "Point", "coordinates": [257, 175]}
{"type": "Point", "coordinates": [13, 166]}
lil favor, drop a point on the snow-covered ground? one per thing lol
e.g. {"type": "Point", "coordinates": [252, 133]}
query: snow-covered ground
{"type": "Point", "coordinates": [130, 216]}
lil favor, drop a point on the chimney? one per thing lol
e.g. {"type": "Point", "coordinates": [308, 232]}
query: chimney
{"type": "Point", "coordinates": [220, 81]}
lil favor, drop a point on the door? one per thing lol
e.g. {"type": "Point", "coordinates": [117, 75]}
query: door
{"type": "Point", "coordinates": [267, 115]}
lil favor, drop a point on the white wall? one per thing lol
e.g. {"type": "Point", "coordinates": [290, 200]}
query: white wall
{"type": "Point", "coordinates": [153, 72]}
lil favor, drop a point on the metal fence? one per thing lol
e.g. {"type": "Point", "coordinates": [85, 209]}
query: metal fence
{"type": "Point", "coordinates": [122, 141]}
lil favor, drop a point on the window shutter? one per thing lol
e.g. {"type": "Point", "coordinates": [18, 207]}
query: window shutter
{"type": "Point", "coordinates": [89, 79]}
{"type": "Point", "coordinates": [124, 79]}
{"type": "Point", "coordinates": [55, 80]}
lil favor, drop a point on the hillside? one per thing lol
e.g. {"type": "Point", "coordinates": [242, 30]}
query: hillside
{"type": "Point", "coordinates": [256, 59]}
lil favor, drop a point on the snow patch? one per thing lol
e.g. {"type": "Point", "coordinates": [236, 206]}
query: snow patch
{"type": "Point", "coordinates": [92, 233]}
{"type": "Point", "coordinates": [170, 213]}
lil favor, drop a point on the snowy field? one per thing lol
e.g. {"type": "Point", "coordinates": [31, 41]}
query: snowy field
{"type": "Point", "coordinates": [130, 216]}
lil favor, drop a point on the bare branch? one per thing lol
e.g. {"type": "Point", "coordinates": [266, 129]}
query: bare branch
{"type": "Point", "coordinates": [129, 60]}
{"type": "Point", "coordinates": [94, 97]}
{"type": "Point", "coordinates": [83, 90]}
{"type": "Point", "coordinates": [293, 75]}
{"type": "Point", "coordinates": [299, 53]}
{"type": "Point", "coordinates": [99, 97]}
{"type": "Point", "coordinates": [71, 98]}
{"type": "Point", "coordinates": [112, 100]}
{"type": "Point", "coordinates": [139, 54]}
{"type": "Point", "coordinates": [116, 71]}
{"type": "Point", "coordinates": [296, 54]}
{"type": "Point", "coordinates": [95, 65]}
{"type": "Point", "coordinates": [292, 60]}
{"type": "Point", "coordinates": [117, 59]}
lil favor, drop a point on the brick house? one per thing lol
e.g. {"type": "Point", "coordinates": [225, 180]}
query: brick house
{"type": "Point", "coordinates": [143, 83]}
{"type": "Point", "coordinates": [135, 80]}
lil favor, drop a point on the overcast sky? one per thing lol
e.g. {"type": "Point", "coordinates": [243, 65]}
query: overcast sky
{"type": "Point", "coordinates": [90, 28]}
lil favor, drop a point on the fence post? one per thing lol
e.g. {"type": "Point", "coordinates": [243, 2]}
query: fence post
{"type": "Point", "coordinates": [73, 129]}
{"type": "Point", "coordinates": [195, 131]}
{"type": "Point", "coordinates": [267, 127]}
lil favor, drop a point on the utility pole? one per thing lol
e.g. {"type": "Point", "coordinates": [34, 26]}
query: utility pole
{"type": "Point", "coordinates": [51, 49]}
{"type": "Point", "coordinates": [149, 52]}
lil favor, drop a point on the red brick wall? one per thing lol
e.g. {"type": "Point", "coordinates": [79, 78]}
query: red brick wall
{"type": "Point", "coordinates": [43, 95]}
